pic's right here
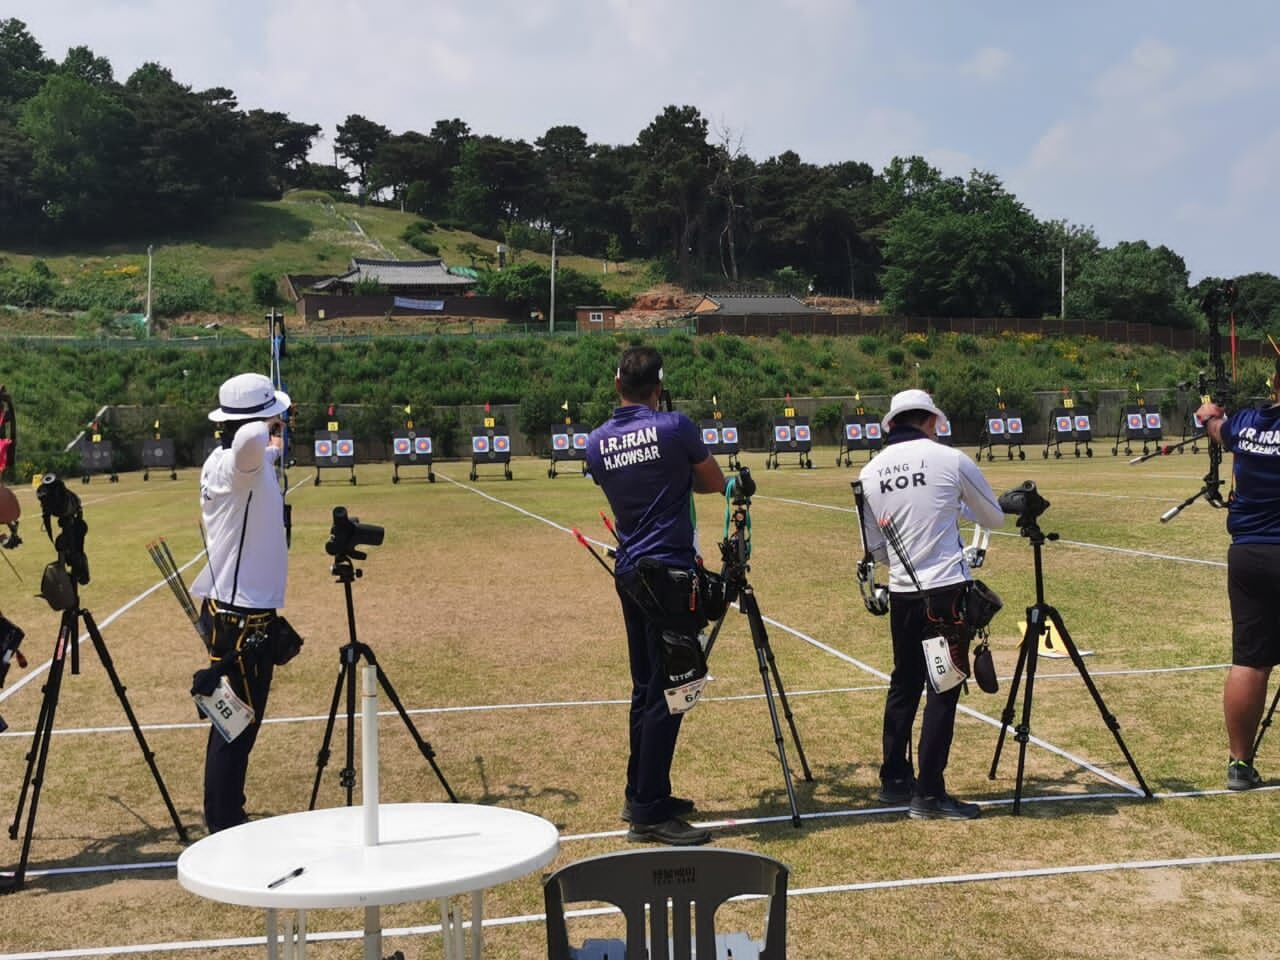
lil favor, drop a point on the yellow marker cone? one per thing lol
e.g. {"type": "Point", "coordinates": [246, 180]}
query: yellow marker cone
{"type": "Point", "coordinates": [1051, 644]}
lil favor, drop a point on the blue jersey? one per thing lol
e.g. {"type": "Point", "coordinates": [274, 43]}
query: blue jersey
{"type": "Point", "coordinates": [643, 460]}
{"type": "Point", "coordinates": [1253, 437]}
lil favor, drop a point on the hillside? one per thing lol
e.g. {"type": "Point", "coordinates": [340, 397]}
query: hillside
{"type": "Point", "coordinates": [304, 233]}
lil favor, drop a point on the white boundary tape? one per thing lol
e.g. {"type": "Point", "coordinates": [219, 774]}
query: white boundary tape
{"type": "Point", "coordinates": [859, 887]}
{"type": "Point", "coordinates": [1005, 533]}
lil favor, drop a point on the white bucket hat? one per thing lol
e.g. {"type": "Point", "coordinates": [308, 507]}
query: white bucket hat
{"type": "Point", "coordinates": [249, 396]}
{"type": "Point", "coordinates": [912, 400]}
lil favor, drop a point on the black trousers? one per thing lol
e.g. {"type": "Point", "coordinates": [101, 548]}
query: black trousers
{"type": "Point", "coordinates": [653, 728]}
{"type": "Point", "coordinates": [910, 626]}
{"type": "Point", "coordinates": [226, 765]}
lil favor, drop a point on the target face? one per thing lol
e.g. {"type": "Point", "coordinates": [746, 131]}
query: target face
{"type": "Point", "coordinates": [1135, 421]}
{"type": "Point", "coordinates": [995, 426]}
{"type": "Point", "coordinates": [421, 444]}
{"type": "Point", "coordinates": [1015, 424]}
{"type": "Point", "coordinates": [346, 448]}
{"type": "Point", "coordinates": [479, 444]}
{"type": "Point", "coordinates": [501, 444]}
{"type": "Point", "coordinates": [782, 434]}
{"type": "Point", "coordinates": [944, 430]}
{"type": "Point", "coordinates": [1082, 422]}
{"type": "Point", "coordinates": [730, 435]}
{"type": "Point", "coordinates": [1153, 421]}
{"type": "Point", "coordinates": [579, 441]}
{"type": "Point", "coordinates": [853, 431]}
{"type": "Point", "coordinates": [710, 436]}
{"type": "Point", "coordinates": [873, 431]}
{"type": "Point", "coordinates": [560, 441]}
{"type": "Point", "coordinates": [324, 448]}
{"type": "Point", "coordinates": [802, 433]}
{"type": "Point", "coordinates": [402, 446]}
{"type": "Point", "coordinates": [1064, 424]}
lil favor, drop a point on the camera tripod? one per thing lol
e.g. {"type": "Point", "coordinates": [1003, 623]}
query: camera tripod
{"type": "Point", "coordinates": [734, 552]}
{"type": "Point", "coordinates": [350, 655]}
{"type": "Point", "coordinates": [1040, 618]}
{"type": "Point", "coordinates": [68, 642]}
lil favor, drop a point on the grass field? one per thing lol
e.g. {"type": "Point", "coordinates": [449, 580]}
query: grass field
{"type": "Point", "coordinates": [504, 638]}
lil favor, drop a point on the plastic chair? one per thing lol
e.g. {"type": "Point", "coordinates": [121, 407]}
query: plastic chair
{"type": "Point", "coordinates": [668, 881]}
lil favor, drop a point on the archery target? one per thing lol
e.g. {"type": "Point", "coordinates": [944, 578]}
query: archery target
{"type": "Point", "coordinates": [995, 426]}
{"type": "Point", "coordinates": [944, 429]}
{"type": "Point", "coordinates": [1082, 422]}
{"type": "Point", "coordinates": [853, 431]}
{"type": "Point", "coordinates": [158, 453]}
{"type": "Point", "coordinates": [579, 441]}
{"type": "Point", "coordinates": [1197, 422]}
{"type": "Point", "coordinates": [560, 441]}
{"type": "Point", "coordinates": [710, 436]}
{"type": "Point", "coordinates": [1063, 424]}
{"type": "Point", "coordinates": [501, 444]}
{"type": "Point", "coordinates": [401, 446]}
{"type": "Point", "coordinates": [479, 444]}
{"type": "Point", "coordinates": [422, 445]}
{"type": "Point", "coordinates": [1134, 420]}
{"type": "Point", "coordinates": [1015, 424]}
{"type": "Point", "coordinates": [873, 431]}
{"type": "Point", "coordinates": [346, 447]}
{"type": "Point", "coordinates": [729, 435]}
{"type": "Point", "coordinates": [324, 448]}
{"type": "Point", "coordinates": [782, 434]}
{"type": "Point", "coordinates": [802, 432]}
{"type": "Point", "coordinates": [1153, 421]}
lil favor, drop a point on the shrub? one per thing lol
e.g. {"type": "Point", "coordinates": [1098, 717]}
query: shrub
{"type": "Point", "coordinates": [870, 345]}
{"type": "Point", "coordinates": [895, 356]}
{"type": "Point", "coordinates": [264, 287]}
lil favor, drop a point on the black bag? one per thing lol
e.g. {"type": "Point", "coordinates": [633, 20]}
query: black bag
{"type": "Point", "coordinates": [981, 605]}
{"type": "Point", "coordinates": [714, 594]}
{"type": "Point", "coordinates": [56, 587]}
{"type": "Point", "coordinates": [984, 668]}
{"type": "Point", "coordinates": [283, 642]}
{"type": "Point", "coordinates": [669, 594]}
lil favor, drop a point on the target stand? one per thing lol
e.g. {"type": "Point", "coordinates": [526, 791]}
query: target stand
{"type": "Point", "coordinates": [791, 434]}
{"type": "Point", "coordinates": [410, 448]}
{"type": "Point", "coordinates": [335, 449]}
{"type": "Point", "coordinates": [1067, 424]}
{"type": "Point", "coordinates": [490, 444]}
{"type": "Point", "coordinates": [568, 444]}
{"type": "Point", "coordinates": [861, 432]}
{"type": "Point", "coordinates": [721, 439]}
{"type": "Point", "coordinates": [97, 456]}
{"type": "Point", "coordinates": [1192, 433]}
{"type": "Point", "coordinates": [158, 454]}
{"type": "Point", "coordinates": [1001, 428]}
{"type": "Point", "coordinates": [1138, 423]}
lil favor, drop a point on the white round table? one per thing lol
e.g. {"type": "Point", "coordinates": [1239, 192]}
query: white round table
{"type": "Point", "coordinates": [318, 859]}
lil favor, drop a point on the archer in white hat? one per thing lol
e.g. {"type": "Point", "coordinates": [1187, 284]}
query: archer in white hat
{"type": "Point", "coordinates": [914, 493]}
{"type": "Point", "coordinates": [243, 585]}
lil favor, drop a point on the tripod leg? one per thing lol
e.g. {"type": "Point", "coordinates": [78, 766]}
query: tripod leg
{"type": "Point", "coordinates": [1022, 733]}
{"type": "Point", "coordinates": [424, 747]}
{"type": "Point", "coordinates": [322, 756]}
{"type": "Point", "coordinates": [1266, 722]}
{"type": "Point", "coordinates": [38, 757]}
{"type": "Point", "coordinates": [786, 707]}
{"type": "Point", "coordinates": [1107, 716]}
{"type": "Point", "coordinates": [1006, 717]}
{"type": "Point", "coordinates": [105, 656]}
{"type": "Point", "coordinates": [347, 777]}
{"type": "Point", "coordinates": [760, 640]}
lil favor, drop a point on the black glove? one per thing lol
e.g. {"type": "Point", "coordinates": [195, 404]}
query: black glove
{"type": "Point", "coordinates": [205, 682]}
{"type": "Point", "coordinates": [746, 484]}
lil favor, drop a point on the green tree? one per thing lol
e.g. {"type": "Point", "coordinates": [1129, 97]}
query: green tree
{"type": "Point", "coordinates": [495, 182]}
{"type": "Point", "coordinates": [1135, 283]}
{"type": "Point", "coordinates": [23, 65]}
{"type": "Point", "coordinates": [358, 139]}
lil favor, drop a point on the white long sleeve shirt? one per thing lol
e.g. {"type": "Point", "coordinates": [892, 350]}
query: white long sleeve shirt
{"type": "Point", "coordinates": [243, 513]}
{"type": "Point", "coordinates": [925, 487]}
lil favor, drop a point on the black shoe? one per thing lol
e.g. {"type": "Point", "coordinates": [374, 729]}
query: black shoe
{"type": "Point", "coordinates": [943, 808]}
{"type": "Point", "coordinates": [1242, 776]}
{"type": "Point", "coordinates": [674, 832]}
{"type": "Point", "coordinates": [897, 792]}
{"type": "Point", "coordinates": [676, 806]}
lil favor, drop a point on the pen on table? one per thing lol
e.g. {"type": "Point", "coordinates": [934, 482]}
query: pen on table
{"type": "Point", "coordinates": [296, 872]}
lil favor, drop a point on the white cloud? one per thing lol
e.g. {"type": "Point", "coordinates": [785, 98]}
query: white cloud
{"type": "Point", "coordinates": [989, 63]}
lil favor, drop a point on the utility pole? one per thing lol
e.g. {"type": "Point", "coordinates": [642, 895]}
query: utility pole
{"type": "Point", "coordinates": [1062, 287]}
{"type": "Point", "coordinates": [149, 248]}
{"type": "Point", "coordinates": [551, 316]}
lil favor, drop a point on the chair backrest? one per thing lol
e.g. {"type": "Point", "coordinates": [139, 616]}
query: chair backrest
{"type": "Point", "coordinates": [668, 881]}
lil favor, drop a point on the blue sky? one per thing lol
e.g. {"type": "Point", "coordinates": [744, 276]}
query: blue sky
{"type": "Point", "coordinates": [1147, 121]}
